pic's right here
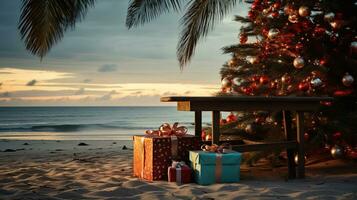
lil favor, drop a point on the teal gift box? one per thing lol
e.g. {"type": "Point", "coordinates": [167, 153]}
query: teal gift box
{"type": "Point", "coordinates": [212, 168]}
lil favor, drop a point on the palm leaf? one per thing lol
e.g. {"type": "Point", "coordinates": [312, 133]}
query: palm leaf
{"type": "Point", "coordinates": [43, 22]}
{"type": "Point", "coordinates": [197, 22]}
{"type": "Point", "coordinates": [143, 11]}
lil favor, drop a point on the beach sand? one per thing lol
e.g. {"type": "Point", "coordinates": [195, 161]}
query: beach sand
{"type": "Point", "coordinates": [103, 170]}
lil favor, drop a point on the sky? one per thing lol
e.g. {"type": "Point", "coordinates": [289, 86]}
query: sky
{"type": "Point", "coordinates": [102, 63]}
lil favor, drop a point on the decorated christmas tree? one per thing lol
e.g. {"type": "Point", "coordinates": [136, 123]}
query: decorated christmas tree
{"type": "Point", "coordinates": [297, 48]}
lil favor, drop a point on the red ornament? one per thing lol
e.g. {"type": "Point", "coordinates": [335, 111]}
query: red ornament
{"type": "Point", "coordinates": [265, 31]}
{"type": "Point", "coordinates": [203, 135]}
{"type": "Point", "coordinates": [248, 90]}
{"type": "Point", "coordinates": [264, 80]}
{"type": "Point", "coordinates": [255, 78]}
{"type": "Point", "coordinates": [323, 61]}
{"type": "Point", "coordinates": [243, 38]}
{"type": "Point", "coordinates": [275, 14]}
{"type": "Point", "coordinates": [306, 136]}
{"type": "Point", "coordinates": [342, 93]}
{"type": "Point", "coordinates": [223, 122]}
{"type": "Point", "coordinates": [319, 31]}
{"type": "Point", "coordinates": [231, 118]}
{"type": "Point", "coordinates": [273, 85]}
{"type": "Point", "coordinates": [303, 86]}
{"type": "Point", "coordinates": [277, 5]}
{"type": "Point", "coordinates": [251, 15]}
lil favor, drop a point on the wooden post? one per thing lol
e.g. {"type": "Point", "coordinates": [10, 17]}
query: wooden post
{"type": "Point", "coordinates": [215, 127]}
{"type": "Point", "coordinates": [198, 123]}
{"type": "Point", "coordinates": [289, 136]}
{"type": "Point", "coordinates": [301, 145]}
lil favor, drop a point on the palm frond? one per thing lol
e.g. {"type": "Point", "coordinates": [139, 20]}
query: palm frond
{"type": "Point", "coordinates": [143, 11]}
{"type": "Point", "coordinates": [197, 22]}
{"type": "Point", "coordinates": [43, 22]}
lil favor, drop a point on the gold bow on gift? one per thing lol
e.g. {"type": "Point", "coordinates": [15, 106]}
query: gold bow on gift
{"type": "Point", "coordinates": [166, 130]}
{"type": "Point", "coordinates": [214, 148]}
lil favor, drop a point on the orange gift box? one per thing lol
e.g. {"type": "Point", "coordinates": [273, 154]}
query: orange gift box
{"type": "Point", "coordinates": [154, 154]}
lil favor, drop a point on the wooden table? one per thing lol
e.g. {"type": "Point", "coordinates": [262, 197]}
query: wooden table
{"type": "Point", "coordinates": [294, 141]}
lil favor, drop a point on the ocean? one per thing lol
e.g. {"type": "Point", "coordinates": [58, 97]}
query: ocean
{"type": "Point", "coordinates": [88, 123]}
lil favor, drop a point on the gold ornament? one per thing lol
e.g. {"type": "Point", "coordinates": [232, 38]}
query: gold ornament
{"type": "Point", "coordinates": [347, 80]}
{"type": "Point", "coordinates": [336, 24]}
{"type": "Point", "coordinates": [232, 62]}
{"type": "Point", "coordinates": [296, 159]}
{"type": "Point", "coordinates": [226, 83]}
{"type": "Point", "coordinates": [252, 59]}
{"type": "Point", "coordinates": [337, 152]}
{"type": "Point", "coordinates": [299, 62]}
{"type": "Point", "coordinates": [273, 33]}
{"type": "Point", "coordinates": [293, 18]}
{"type": "Point", "coordinates": [304, 11]}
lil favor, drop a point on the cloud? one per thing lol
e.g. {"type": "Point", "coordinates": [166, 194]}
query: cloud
{"type": "Point", "coordinates": [87, 80]}
{"type": "Point", "coordinates": [5, 94]}
{"type": "Point", "coordinates": [80, 91]}
{"type": "Point", "coordinates": [31, 83]}
{"type": "Point", "coordinates": [108, 68]}
{"type": "Point", "coordinates": [107, 96]}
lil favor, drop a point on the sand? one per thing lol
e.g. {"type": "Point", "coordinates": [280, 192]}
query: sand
{"type": "Point", "coordinates": [102, 170]}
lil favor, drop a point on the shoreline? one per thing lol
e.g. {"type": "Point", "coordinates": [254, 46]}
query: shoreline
{"type": "Point", "coordinates": [103, 170]}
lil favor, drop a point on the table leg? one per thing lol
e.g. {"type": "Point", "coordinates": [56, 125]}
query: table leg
{"type": "Point", "coordinates": [215, 127]}
{"type": "Point", "coordinates": [289, 135]}
{"type": "Point", "coordinates": [301, 145]}
{"type": "Point", "coordinates": [198, 123]}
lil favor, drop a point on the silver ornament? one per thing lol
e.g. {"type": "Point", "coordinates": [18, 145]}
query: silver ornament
{"type": "Point", "coordinates": [299, 62]}
{"type": "Point", "coordinates": [337, 152]}
{"type": "Point", "coordinates": [237, 82]}
{"type": "Point", "coordinates": [252, 59]}
{"type": "Point", "coordinates": [347, 80]}
{"type": "Point", "coordinates": [226, 83]}
{"type": "Point", "coordinates": [304, 11]}
{"type": "Point", "coordinates": [316, 82]}
{"type": "Point", "coordinates": [273, 33]}
{"type": "Point", "coordinates": [329, 16]}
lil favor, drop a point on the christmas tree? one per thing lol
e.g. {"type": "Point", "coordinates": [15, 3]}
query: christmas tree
{"type": "Point", "coordinates": [297, 48]}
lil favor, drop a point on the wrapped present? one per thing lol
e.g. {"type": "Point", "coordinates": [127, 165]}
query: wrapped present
{"type": "Point", "coordinates": [179, 172]}
{"type": "Point", "coordinates": [154, 151]}
{"type": "Point", "coordinates": [211, 167]}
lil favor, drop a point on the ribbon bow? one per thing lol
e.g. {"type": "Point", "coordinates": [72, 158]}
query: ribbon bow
{"type": "Point", "coordinates": [214, 148]}
{"type": "Point", "coordinates": [166, 130]}
{"type": "Point", "coordinates": [176, 164]}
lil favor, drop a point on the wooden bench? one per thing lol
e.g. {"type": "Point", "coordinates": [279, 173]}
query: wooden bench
{"type": "Point", "coordinates": [294, 142]}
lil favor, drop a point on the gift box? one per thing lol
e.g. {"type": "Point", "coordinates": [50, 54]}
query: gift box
{"type": "Point", "coordinates": [209, 167]}
{"type": "Point", "coordinates": [153, 154]}
{"type": "Point", "coordinates": [179, 172]}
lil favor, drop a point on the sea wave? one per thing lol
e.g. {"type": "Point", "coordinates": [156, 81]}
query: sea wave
{"type": "Point", "coordinates": [79, 127]}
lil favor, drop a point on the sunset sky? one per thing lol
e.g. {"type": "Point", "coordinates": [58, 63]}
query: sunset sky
{"type": "Point", "coordinates": [102, 63]}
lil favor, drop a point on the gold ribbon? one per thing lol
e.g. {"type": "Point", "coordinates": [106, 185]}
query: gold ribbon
{"type": "Point", "coordinates": [174, 146]}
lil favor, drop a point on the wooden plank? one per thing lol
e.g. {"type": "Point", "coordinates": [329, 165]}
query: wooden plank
{"type": "Point", "coordinates": [183, 106]}
{"type": "Point", "coordinates": [245, 99]}
{"type": "Point", "coordinates": [215, 127]}
{"type": "Point", "coordinates": [198, 123]}
{"type": "Point", "coordinates": [301, 144]}
{"type": "Point", "coordinates": [250, 106]}
{"type": "Point", "coordinates": [289, 135]}
{"type": "Point", "coordinates": [264, 146]}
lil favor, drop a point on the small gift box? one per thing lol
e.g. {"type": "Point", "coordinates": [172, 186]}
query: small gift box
{"type": "Point", "coordinates": [179, 172]}
{"type": "Point", "coordinates": [210, 167]}
{"type": "Point", "coordinates": [154, 151]}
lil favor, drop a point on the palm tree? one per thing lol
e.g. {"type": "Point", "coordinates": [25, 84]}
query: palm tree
{"type": "Point", "coordinates": [199, 18]}
{"type": "Point", "coordinates": [43, 22]}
